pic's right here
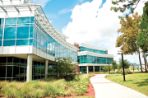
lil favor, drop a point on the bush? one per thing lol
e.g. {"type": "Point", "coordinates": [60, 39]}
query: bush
{"type": "Point", "coordinates": [65, 69]}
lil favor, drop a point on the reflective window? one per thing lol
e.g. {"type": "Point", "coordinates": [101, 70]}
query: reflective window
{"type": "Point", "coordinates": [31, 32]}
{"type": "Point", "coordinates": [94, 59]}
{"type": "Point", "coordinates": [1, 33]}
{"type": "Point", "coordinates": [25, 20]}
{"type": "Point", "coordinates": [23, 32]}
{"type": "Point", "coordinates": [22, 42]}
{"type": "Point", "coordinates": [9, 33]}
{"type": "Point", "coordinates": [9, 42]}
{"type": "Point", "coordinates": [11, 21]}
{"type": "Point", "coordinates": [0, 43]}
{"type": "Point", "coordinates": [1, 22]}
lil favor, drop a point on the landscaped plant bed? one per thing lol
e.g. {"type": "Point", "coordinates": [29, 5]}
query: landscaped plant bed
{"type": "Point", "coordinates": [40, 89]}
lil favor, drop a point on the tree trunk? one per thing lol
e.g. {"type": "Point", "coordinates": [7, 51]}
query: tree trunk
{"type": "Point", "coordinates": [145, 61]}
{"type": "Point", "coordinates": [140, 61]}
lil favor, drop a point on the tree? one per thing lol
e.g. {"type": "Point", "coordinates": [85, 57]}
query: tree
{"type": "Point", "coordinates": [64, 68]}
{"type": "Point", "coordinates": [114, 65]}
{"type": "Point", "coordinates": [124, 5]}
{"type": "Point", "coordinates": [128, 35]}
{"type": "Point", "coordinates": [142, 39]}
{"type": "Point", "coordinates": [126, 64]}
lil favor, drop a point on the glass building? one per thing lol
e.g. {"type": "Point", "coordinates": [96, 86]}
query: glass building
{"type": "Point", "coordinates": [91, 58]}
{"type": "Point", "coordinates": [28, 41]}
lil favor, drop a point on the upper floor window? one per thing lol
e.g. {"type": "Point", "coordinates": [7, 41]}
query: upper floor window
{"type": "Point", "coordinates": [11, 21]}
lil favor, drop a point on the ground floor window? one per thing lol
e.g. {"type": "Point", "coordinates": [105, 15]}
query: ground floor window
{"type": "Point", "coordinates": [12, 68]}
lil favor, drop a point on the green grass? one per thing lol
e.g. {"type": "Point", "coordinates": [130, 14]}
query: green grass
{"type": "Point", "coordinates": [137, 81]}
{"type": "Point", "coordinates": [40, 89]}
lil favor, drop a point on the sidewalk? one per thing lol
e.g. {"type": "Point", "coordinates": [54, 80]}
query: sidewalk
{"type": "Point", "coordinates": [107, 89]}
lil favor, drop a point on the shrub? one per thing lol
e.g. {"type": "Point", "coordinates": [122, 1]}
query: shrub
{"type": "Point", "coordinates": [65, 69]}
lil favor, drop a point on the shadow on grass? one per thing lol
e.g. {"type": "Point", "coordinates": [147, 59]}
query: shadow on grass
{"type": "Point", "coordinates": [142, 83]}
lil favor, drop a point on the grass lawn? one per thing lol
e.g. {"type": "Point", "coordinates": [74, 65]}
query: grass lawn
{"type": "Point", "coordinates": [137, 81]}
{"type": "Point", "coordinates": [51, 88]}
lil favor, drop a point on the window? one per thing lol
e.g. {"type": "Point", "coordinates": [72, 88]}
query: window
{"type": "Point", "coordinates": [9, 33]}
{"type": "Point", "coordinates": [1, 22]}
{"type": "Point", "coordinates": [9, 42]}
{"type": "Point", "coordinates": [1, 32]}
{"type": "Point", "coordinates": [0, 43]}
{"type": "Point", "coordinates": [23, 32]}
{"type": "Point", "coordinates": [25, 20]}
{"type": "Point", "coordinates": [31, 31]}
{"type": "Point", "coordinates": [11, 21]}
{"type": "Point", "coordinates": [31, 19]}
{"type": "Point", "coordinates": [30, 42]}
{"type": "Point", "coordinates": [22, 42]}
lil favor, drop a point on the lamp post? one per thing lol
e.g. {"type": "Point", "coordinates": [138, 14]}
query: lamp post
{"type": "Point", "coordinates": [123, 67]}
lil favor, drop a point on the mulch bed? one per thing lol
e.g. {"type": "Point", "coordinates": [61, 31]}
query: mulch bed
{"type": "Point", "coordinates": [90, 91]}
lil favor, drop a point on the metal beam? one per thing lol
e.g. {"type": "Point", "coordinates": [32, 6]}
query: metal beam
{"type": "Point", "coordinates": [1, 1]}
{"type": "Point", "coordinates": [4, 9]}
{"type": "Point", "coordinates": [29, 8]}
{"type": "Point", "coordinates": [17, 9]}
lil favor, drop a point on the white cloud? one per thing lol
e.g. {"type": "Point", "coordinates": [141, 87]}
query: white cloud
{"type": "Point", "coordinates": [92, 25]}
{"type": "Point", "coordinates": [43, 3]}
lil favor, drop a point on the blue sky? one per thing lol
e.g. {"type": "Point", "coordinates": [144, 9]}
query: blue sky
{"type": "Point", "coordinates": [59, 11]}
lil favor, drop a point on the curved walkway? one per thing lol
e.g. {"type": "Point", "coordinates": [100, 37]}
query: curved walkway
{"type": "Point", "coordinates": [107, 89]}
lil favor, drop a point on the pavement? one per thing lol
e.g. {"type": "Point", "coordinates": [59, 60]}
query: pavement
{"type": "Point", "coordinates": [107, 89]}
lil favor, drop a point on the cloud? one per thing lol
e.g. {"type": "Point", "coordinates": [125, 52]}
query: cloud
{"type": "Point", "coordinates": [43, 3]}
{"type": "Point", "coordinates": [94, 25]}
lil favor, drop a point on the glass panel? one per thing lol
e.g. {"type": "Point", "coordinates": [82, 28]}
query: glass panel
{"type": "Point", "coordinates": [9, 42]}
{"type": "Point", "coordinates": [9, 71]}
{"type": "Point", "coordinates": [9, 33]}
{"type": "Point", "coordinates": [1, 22]}
{"type": "Point", "coordinates": [30, 42]}
{"type": "Point", "coordinates": [1, 32]}
{"type": "Point", "coordinates": [23, 20]}
{"type": "Point", "coordinates": [23, 32]}
{"type": "Point", "coordinates": [11, 21]}
{"type": "Point", "coordinates": [31, 31]}
{"type": "Point", "coordinates": [31, 19]}
{"type": "Point", "coordinates": [2, 71]}
{"type": "Point", "coordinates": [0, 43]}
{"type": "Point", "coordinates": [22, 42]}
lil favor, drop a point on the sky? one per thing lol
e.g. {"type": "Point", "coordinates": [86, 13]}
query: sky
{"type": "Point", "coordinates": [87, 21]}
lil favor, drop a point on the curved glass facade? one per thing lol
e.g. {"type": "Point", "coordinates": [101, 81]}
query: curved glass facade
{"type": "Point", "coordinates": [23, 31]}
{"type": "Point", "coordinates": [46, 43]}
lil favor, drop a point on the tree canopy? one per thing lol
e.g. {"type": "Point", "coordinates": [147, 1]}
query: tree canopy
{"type": "Point", "coordinates": [142, 39]}
{"type": "Point", "coordinates": [124, 5]}
{"type": "Point", "coordinates": [128, 34]}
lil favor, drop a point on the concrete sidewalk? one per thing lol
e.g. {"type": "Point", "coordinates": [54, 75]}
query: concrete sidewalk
{"type": "Point", "coordinates": [108, 89]}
